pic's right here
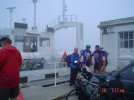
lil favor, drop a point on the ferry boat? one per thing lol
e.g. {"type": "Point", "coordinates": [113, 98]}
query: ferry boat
{"type": "Point", "coordinates": [36, 47]}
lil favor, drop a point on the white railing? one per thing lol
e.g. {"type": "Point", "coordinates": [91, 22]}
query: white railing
{"type": "Point", "coordinates": [58, 65]}
{"type": "Point", "coordinates": [51, 68]}
{"type": "Point", "coordinates": [61, 18]}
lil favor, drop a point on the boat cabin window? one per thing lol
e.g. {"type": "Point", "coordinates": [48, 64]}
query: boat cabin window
{"type": "Point", "coordinates": [45, 42]}
{"type": "Point", "coordinates": [26, 43]}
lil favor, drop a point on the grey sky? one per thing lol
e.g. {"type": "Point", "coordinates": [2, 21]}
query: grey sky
{"type": "Point", "coordinates": [89, 12]}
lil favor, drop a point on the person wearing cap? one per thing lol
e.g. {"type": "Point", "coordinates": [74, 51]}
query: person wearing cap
{"type": "Point", "coordinates": [87, 56]}
{"type": "Point", "coordinates": [104, 56]}
{"type": "Point", "coordinates": [10, 62]}
{"type": "Point", "coordinates": [97, 58]}
{"type": "Point", "coordinates": [74, 66]}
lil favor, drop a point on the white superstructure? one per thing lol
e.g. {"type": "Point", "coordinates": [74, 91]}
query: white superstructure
{"type": "Point", "coordinates": [31, 41]}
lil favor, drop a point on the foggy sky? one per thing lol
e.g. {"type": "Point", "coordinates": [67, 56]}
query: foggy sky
{"type": "Point", "coordinates": [89, 12]}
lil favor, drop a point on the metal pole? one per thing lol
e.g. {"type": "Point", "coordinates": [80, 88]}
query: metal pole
{"type": "Point", "coordinates": [63, 10]}
{"type": "Point", "coordinates": [11, 19]}
{"type": "Point", "coordinates": [55, 75]}
{"type": "Point", "coordinates": [11, 10]}
{"type": "Point", "coordinates": [24, 20]}
{"type": "Point", "coordinates": [35, 1]}
{"type": "Point", "coordinates": [35, 15]}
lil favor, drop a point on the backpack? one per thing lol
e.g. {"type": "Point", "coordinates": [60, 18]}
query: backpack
{"type": "Point", "coordinates": [106, 55]}
{"type": "Point", "coordinates": [68, 60]}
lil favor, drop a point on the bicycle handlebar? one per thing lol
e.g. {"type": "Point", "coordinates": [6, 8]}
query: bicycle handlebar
{"type": "Point", "coordinates": [86, 81]}
{"type": "Point", "coordinates": [90, 83]}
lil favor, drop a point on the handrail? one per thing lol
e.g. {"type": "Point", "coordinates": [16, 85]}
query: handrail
{"type": "Point", "coordinates": [61, 18]}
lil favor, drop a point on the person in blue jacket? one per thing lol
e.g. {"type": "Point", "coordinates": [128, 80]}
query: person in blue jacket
{"type": "Point", "coordinates": [87, 55]}
{"type": "Point", "coordinates": [97, 58]}
{"type": "Point", "coordinates": [74, 66]}
{"type": "Point", "coordinates": [104, 58]}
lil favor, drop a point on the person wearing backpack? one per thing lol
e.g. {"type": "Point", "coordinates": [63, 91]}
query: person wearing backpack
{"type": "Point", "coordinates": [97, 58]}
{"type": "Point", "coordinates": [87, 56]}
{"type": "Point", "coordinates": [74, 66]}
{"type": "Point", "coordinates": [104, 57]}
{"type": "Point", "coordinates": [68, 60]}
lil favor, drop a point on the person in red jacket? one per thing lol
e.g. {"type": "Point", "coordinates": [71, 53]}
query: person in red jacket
{"type": "Point", "coordinates": [10, 62]}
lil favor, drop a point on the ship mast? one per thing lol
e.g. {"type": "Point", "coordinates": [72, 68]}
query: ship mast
{"type": "Point", "coordinates": [64, 9]}
{"type": "Point", "coordinates": [11, 11]}
{"type": "Point", "coordinates": [35, 27]}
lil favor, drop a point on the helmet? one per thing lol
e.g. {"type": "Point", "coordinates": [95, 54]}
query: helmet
{"type": "Point", "coordinates": [97, 46]}
{"type": "Point", "coordinates": [101, 48]}
{"type": "Point", "coordinates": [88, 46]}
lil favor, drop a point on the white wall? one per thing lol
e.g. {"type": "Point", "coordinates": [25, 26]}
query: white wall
{"type": "Point", "coordinates": [125, 55]}
{"type": "Point", "coordinates": [110, 42]}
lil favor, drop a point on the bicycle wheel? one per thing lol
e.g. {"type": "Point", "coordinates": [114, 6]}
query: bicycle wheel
{"type": "Point", "coordinates": [70, 94]}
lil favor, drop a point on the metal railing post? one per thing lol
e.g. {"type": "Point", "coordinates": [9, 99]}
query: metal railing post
{"type": "Point", "coordinates": [55, 81]}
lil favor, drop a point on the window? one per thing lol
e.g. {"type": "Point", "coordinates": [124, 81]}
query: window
{"type": "Point", "coordinates": [19, 38]}
{"type": "Point", "coordinates": [131, 35]}
{"type": "Point", "coordinates": [131, 43]}
{"type": "Point", "coordinates": [26, 43]}
{"type": "Point", "coordinates": [45, 42]}
{"type": "Point", "coordinates": [121, 36]}
{"type": "Point", "coordinates": [30, 44]}
{"type": "Point", "coordinates": [126, 35]}
{"type": "Point", "coordinates": [126, 44]}
{"type": "Point", "coordinates": [126, 39]}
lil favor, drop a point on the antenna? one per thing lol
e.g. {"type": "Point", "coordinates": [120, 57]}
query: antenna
{"type": "Point", "coordinates": [11, 11]}
{"type": "Point", "coordinates": [24, 20]}
{"type": "Point", "coordinates": [35, 27]}
{"type": "Point", "coordinates": [64, 9]}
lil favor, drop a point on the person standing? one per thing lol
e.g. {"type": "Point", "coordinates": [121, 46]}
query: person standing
{"type": "Point", "coordinates": [74, 66]}
{"type": "Point", "coordinates": [87, 55]}
{"type": "Point", "coordinates": [104, 58]}
{"type": "Point", "coordinates": [97, 58]}
{"type": "Point", "coordinates": [10, 62]}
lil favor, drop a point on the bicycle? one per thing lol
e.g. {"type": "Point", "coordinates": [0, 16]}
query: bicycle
{"type": "Point", "coordinates": [84, 89]}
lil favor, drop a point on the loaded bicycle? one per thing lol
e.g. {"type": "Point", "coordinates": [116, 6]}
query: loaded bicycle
{"type": "Point", "coordinates": [84, 88]}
